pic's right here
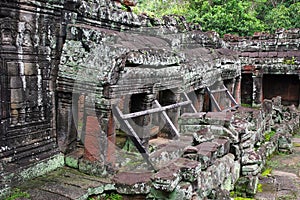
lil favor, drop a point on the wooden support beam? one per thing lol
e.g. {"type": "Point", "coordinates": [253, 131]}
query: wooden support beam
{"type": "Point", "coordinates": [230, 108]}
{"type": "Point", "coordinates": [219, 90]}
{"type": "Point", "coordinates": [188, 99]}
{"type": "Point", "coordinates": [231, 97]}
{"type": "Point", "coordinates": [168, 119]}
{"type": "Point", "coordinates": [154, 110]}
{"type": "Point", "coordinates": [132, 135]}
{"type": "Point", "coordinates": [213, 99]}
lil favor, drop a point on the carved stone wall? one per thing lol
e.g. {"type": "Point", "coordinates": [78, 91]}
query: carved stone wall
{"type": "Point", "coordinates": [56, 53]}
{"type": "Point", "coordinates": [269, 54]}
{"type": "Point", "coordinates": [28, 53]}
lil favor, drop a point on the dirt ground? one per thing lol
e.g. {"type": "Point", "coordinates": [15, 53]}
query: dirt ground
{"type": "Point", "coordinates": [283, 183]}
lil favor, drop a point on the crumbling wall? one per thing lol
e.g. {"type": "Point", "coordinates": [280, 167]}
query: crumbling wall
{"type": "Point", "coordinates": [268, 54]}
{"type": "Point", "coordinates": [57, 54]}
{"type": "Point", "coordinates": [28, 53]}
{"type": "Point", "coordinates": [54, 52]}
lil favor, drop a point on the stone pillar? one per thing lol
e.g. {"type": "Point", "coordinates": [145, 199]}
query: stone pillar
{"type": "Point", "coordinates": [66, 128]}
{"type": "Point", "coordinates": [230, 85]}
{"type": "Point", "coordinates": [111, 138]}
{"type": "Point", "coordinates": [237, 90]}
{"type": "Point", "coordinates": [168, 97]}
{"type": "Point", "coordinates": [257, 89]}
{"type": "Point", "coordinates": [96, 134]}
{"type": "Point", "coordinates": [142, 124]}
{"type": "Point", "coordinates": [199, 104]}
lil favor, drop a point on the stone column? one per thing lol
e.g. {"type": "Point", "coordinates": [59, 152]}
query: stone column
{"type": "Point", "coordinates": [166, 98]}
{"type": "Point", "coordinates": [230, 85]}
{"type": "Point", "coordinates": [257, 89]}
{"type": "Point", "coordinates": [142, 124]}
{"type": "Point", "coordinates": [237, 90]}
{"type": "Point", "coordinates": [111, 138]}
{"type": "Point", "coordinates": [66, 128]}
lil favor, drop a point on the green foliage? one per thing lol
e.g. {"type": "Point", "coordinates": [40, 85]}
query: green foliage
{"type": "Point", "coordinates": [278, 18]}
{"type": "Point", "coordinates": [259, 187]}
{"type": "Point", "coordinates": [246, 105]}
{"type": "Point", "coordinates": [158, 8]}
{"type": "Point", "coordinates": [240, 17]}
{"type": "Point", "coordinates": [233, 16]}
{"type": "Point", "coordinates": [291, 61]}
{"type": "Point", "coordinates": [16, 194]}
{"type": "Point", "coordinates": [266, 172]}
{"type": "Point", "coordinates": [269, 135]}
{"type": "Point", "coordinates": [113, 196]}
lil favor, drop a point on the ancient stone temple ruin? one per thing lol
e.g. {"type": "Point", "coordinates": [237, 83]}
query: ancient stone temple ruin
{"type": "Point", "coordinates": [153, 106]}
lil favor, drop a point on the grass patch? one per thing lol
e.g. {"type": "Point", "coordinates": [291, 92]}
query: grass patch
{"type": "Point", "coordinates": [295, 144]}
{"type": "Point", "coordinates": [246, 105]}
{"type": "Point", "coordinates": [269, 135]}
{"type": "Point", "coordinates": [259, 187]}
{"type": "Point", "coordinates": [243, 198]}
{"type": "Point", "coordinates": [266, 172]}
{"type": "Point", "coordinates": [273, 164]}
{"type": "Point", "coordinates": [17, 194]}
{"type": "Point", "coordinates": [113, 196]}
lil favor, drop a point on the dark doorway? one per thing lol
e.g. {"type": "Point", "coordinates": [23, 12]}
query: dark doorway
{"type": "Point", "coordinates": [286, 86]}
{"type": "Point", "coordinates": [247, 89]}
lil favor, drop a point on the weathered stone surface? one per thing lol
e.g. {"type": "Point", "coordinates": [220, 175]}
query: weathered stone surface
{"type": "Point", "coordinates": [52, 52]}
{"type": "Point", "coordinates": [133, 182]}
{"type": "Point", "coordinates": [207, 153]}
{"type": "Point", "coordinates": [167, 178]}
{"type": "Point", "coordinates": [189, 169]}
{"type": "Point", "coordinates": [203, 135]}
{"type": "Point", "coordinates": [192, 118]}
{"type": "Point", "coordinates": [219, 118]}
{"type": "Point", "coordinates": [223, 146]}
{"type": "Point", "coordinates": [72, 159]}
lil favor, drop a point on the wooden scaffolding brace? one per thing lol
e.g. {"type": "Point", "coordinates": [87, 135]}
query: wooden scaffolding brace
{"type": "Point", "coordinates": [125, 125]}
{"type": "Point", "coordinates": [214, 101]}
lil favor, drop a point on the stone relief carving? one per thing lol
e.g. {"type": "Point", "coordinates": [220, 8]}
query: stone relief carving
{"type": "Point", "coordinates": [7, 29]}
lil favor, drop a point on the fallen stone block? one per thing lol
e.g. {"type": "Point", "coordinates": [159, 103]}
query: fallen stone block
{"type": "Point", "coordinates": [219, 118]}
{"type": "Point", "coordinates": [203, 135]}
{"type": "Point", "coordinates": [183, 191]}
{"type": "Point", "coordinates": [251, 157]}
{"type": "Point", "coordinates": [133, 182]}
{"type": "Point", "coordinates": [207, 153]}
{"type": "Point", "coordinates": [189, 169]}
{"type": "Point", "coordinates": [223, 146]}
{"type": "Point", "coordinates": [205, 184]}
{"type": "Point", "coordinates": [246, 186]}
{"type": "Point", "coordinates": [192, 118]}
{"type": "Point", "coordinates": [253, 169]}
{"type": "Point", "coordinates": [186, 129]}
{"type": "Point", "coordinates": [170, 151]}
{"type": "Point", "coordinates": [229, 133]}
{"type": "Point", "coordinates": [167, 178]}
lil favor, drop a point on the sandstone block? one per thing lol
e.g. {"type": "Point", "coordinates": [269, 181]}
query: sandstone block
{"type": "Point", "coordinates": [13, 69]}
{"type": "Point", "coordinates": [133, 182]}
{"type": "Point", "coordinates": [16, 82]}
{"type": "Point", "coordinates": [30, 69]}
{"type": "Point", "coordinates": [16, 95]}
{"type": "Point", "coordinates": [167, 178]}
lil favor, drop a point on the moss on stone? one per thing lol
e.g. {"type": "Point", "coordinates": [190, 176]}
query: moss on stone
{"type": "Point", "coordinates": [71, 162]}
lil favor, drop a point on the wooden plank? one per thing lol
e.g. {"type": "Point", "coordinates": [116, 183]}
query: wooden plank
{"type": "Point", "coordinates": [219, 90]}
{"type": "Point", "coordinates": [188, 99]}
{"type": "Point", "coordinates": [231, 108]}
{"type": "Point", "coordinates": [231, 97]}
{"type": "Point", "coordinates": [213, 99]}
{"type": "Point", "coordinates": [168, 119]}
{"type": "Point", "coordinates": [132, 135]}
{"type": "Point", "coordinates": [154, 110]}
